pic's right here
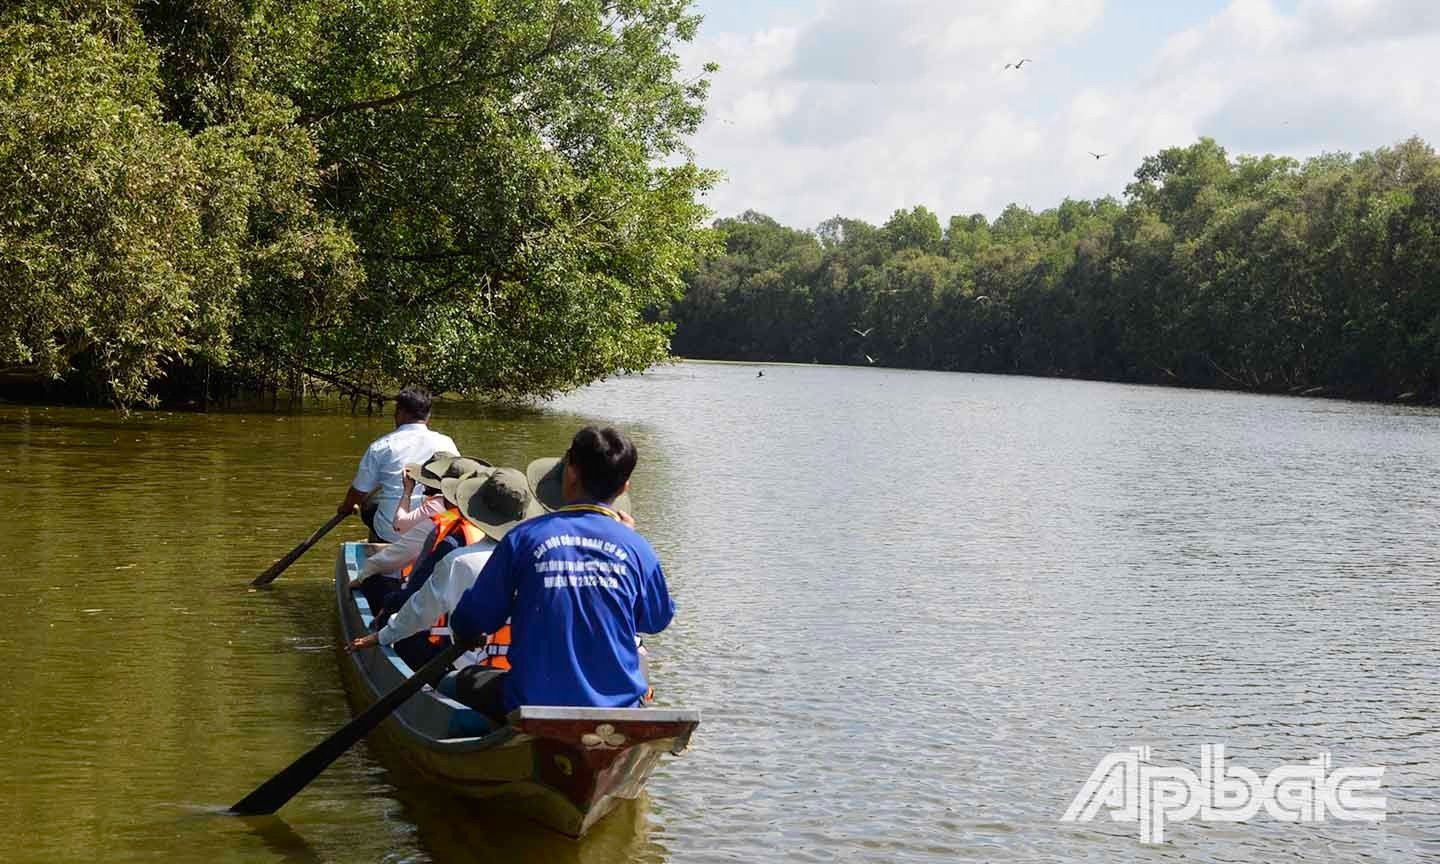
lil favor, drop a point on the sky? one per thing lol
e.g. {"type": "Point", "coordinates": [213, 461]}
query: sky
{"type": "Point", "coordinates": [860, 107]}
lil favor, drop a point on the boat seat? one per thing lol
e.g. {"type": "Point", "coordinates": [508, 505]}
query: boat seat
{"type": "Point", "coordinates": [469, 723]}
{"type": "Point", "coordinates": [465, 722]}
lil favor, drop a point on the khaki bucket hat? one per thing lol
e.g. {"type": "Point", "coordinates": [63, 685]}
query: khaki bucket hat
{"type": "Point", "coordinates": [450, 486]}
{"type": "Point", "coordinates": [442, 465]}
{"type": "Point", "coordinates": [496, 502]}
{"type": "Point", "coordinates": [416, 470]}
{"type": "Point", "coordinates": [546, 478]}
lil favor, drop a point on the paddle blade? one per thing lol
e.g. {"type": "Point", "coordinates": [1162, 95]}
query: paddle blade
{"type": "Point", "coordinates": [276, 569]}
{"type": "Point", "coordinates": [280, 566]}
{"type": "Point", "coordinates": [275, 792]}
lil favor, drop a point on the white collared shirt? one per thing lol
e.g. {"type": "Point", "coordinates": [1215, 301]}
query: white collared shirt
{"type": "Point", "coordinates": [385, 460]}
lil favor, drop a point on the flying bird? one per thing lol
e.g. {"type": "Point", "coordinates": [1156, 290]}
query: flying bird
{"type": "Point", "coordinates": [1098, 156]}
{"type": "Point", "coordinates": [862, 333]}
{"type": "Point", "coordinates": [871, 359]}
{"type": "Point", "coordinates": [1018, 63]}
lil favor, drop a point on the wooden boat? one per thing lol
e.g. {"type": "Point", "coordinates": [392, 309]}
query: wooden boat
{"type": "Point", "coordinates": [563, 767]}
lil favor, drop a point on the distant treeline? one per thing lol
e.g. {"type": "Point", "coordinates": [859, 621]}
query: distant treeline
{"type": "Point", "coordinates": [1259, 273]}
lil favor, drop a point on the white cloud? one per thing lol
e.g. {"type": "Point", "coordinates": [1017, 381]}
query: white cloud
{"type": "Point", "coordinates": [1334, 75]}
{"type": "Point", "coordinates": [857, 112]}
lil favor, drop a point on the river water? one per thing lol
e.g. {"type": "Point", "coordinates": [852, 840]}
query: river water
{"type": "Point", "coordinates": [916, 611]}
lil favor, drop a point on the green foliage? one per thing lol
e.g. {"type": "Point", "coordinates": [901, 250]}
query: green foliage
{"type": "Point", "coordinates": [489, 196]}
{"type": "Point", "coordinates": [1254, 273]}
{"type": "Point", "coordinates": [100, 215]}
{"type": "Point", "coordinates": [916, 229]}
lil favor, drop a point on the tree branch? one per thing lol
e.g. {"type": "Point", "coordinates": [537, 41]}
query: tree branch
{"type": "Point", "coordinates": [371, 104]}
{"type": "Point", "coordinates": [425, 257]}
{"type": "Point", "coordinates": [352, 387]}
{"type": "Point", "coordinates": [24, 371]}
{"type": "Point", "coordinates": [552, 45]}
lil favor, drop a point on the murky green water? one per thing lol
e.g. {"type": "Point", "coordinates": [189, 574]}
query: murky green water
{"type": "Point", "coordinates": [916, 610]}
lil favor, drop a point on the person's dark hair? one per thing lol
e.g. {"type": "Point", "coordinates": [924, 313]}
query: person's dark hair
{"type": "Point", "coordinates": [603, 460]}
{"type": "Point", "coordinates": [414, 401]}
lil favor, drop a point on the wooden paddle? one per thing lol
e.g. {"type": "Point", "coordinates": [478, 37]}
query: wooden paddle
{"type": "Point", "coordinates": [279, 566]}
{"type": "Point", "coordinates": [273, 793]}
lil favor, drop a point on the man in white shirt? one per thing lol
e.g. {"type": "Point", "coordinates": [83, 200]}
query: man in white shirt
{"type": "Point", "coordinates": [419, 526]}
{"type": "Point", "coordinates": [382, 466]}
{"type": "Point", "coordinates": [494, 503]}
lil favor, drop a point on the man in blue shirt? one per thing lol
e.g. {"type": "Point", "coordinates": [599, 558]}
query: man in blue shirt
{"type": "Point", "coordinates": [577, 586]}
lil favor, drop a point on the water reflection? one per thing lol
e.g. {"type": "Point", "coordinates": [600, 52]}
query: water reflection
{"type": "Point", "coordinates": [288, 844]}
{"type": "Point", "coordinates": [464, 833]}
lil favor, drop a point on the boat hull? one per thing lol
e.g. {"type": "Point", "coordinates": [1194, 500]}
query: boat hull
{"type": "Point", "coordinates": [565, 767]}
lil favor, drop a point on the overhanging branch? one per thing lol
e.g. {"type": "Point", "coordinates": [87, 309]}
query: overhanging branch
{"type": "Point", "coordinates": [425, 257]}
{"type": "Point", "coordinates": [553, 44]}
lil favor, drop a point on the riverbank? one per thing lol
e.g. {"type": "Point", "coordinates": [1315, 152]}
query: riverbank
{"type": "Point", "coordinates": [1302, 391]}
{"type": "Point", "coordinates": [332, 400]}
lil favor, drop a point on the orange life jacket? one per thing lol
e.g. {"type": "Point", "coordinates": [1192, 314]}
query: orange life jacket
{"type": "Point", "coordinates": [496, 649]}
{"type": "Point", "coordinates": [446, 523]}
{"type": "Point", "coordinates": [497, 644]}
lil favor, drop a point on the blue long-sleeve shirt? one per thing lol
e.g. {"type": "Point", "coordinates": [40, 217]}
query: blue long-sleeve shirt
{"type": "Point", "coordinates": [577, 586]}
